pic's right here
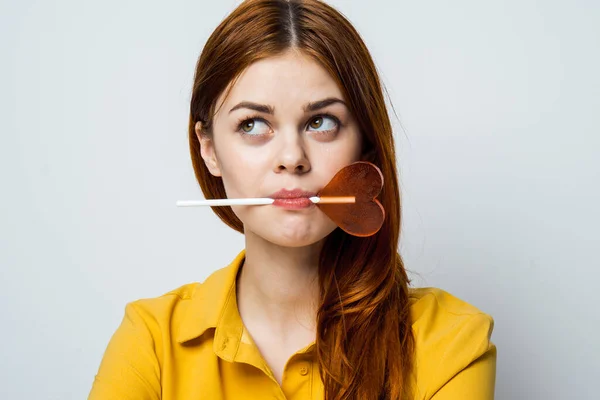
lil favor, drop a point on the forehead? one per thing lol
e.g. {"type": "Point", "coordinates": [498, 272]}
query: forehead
{"type": "Point", "coordinates": [283, 80]}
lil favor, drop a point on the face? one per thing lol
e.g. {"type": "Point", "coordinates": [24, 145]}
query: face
{"type": "Point", "coordinates": [274, 132]}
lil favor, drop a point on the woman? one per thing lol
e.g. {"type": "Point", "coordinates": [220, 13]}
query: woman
{"type": "Point", "coordinates": [286, 94]}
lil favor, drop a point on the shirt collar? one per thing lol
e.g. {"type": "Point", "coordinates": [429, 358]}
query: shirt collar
{"type": "Point", "coordinates": [210, 301]}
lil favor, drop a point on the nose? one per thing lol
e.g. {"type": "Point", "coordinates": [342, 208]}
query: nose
{"type": "Point", "coordinates": [292, 155]}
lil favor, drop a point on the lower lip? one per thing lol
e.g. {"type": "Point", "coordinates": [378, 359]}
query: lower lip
{"type": "Point", "coordinates": [294, 204]}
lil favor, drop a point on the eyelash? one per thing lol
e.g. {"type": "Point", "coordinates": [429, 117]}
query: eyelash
{"type": "Point", "coordinates": [259, 118]}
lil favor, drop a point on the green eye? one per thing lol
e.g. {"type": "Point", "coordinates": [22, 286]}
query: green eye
{"type": "Point", "coordinates": [321, 121]}
{"type": "Point", "coordinates": [248, 124]}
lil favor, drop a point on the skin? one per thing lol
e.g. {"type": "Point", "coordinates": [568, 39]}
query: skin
{"type": "Point", "coordinates": [277, 285]}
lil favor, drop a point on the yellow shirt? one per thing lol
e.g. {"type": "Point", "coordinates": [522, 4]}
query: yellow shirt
{"type": "Point", "coordinates": [190, 344]}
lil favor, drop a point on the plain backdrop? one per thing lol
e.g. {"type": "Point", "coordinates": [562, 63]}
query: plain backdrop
{"type": "Point", "coordinates": [498, 134]}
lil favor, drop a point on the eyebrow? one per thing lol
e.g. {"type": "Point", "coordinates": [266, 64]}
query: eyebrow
{"type": "Point", "coordinates": [267, 109]}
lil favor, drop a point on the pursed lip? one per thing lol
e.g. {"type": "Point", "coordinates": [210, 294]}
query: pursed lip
{"type": "Point", "coordinates": [295, 199]}
{"type": "Point", "coordinates": [292, 194]}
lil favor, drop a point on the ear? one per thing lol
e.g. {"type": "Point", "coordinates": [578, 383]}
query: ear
{"type": "Point", "coordinates": [207, 150]}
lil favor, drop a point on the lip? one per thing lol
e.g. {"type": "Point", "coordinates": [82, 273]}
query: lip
{"type": "Point", "coordinates": [292, 194]}
{"type": "Point", "coordinates": [294, 199]}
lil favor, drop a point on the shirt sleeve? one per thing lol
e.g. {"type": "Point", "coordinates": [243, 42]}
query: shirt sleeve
{"type": "Point", "coordinates": [478, 379]}
{"type": "Point", "coordinates": [129, 369]}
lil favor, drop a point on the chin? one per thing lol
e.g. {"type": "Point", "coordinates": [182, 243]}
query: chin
{"type": "Point", "coordinates": [292, 242]}
{"type": "Point", "coordinates": [291, 237]}
{"type": "Point", "coordinates": [292, 229]}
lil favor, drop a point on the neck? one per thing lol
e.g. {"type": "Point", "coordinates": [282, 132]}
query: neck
{"type": "Point", "coordinates": [279, 285]}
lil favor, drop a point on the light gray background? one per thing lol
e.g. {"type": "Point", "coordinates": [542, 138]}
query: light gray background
{"type": "Point", "coordinates": [499, 165]}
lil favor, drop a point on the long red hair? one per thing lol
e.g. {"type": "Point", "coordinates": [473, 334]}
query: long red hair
{"type": "Point", "coordinates": [364, 344]}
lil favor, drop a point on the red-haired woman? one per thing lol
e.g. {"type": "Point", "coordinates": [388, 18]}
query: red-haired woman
{"type": "Point", "coordinates": [286, 94]}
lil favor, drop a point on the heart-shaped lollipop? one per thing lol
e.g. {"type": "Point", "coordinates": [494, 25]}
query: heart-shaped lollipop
{"type": "Point", "coordinates": [364, 181]}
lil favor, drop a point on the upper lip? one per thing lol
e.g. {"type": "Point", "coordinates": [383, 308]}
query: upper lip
{"type": "Point", "coordinates": [292, 194]}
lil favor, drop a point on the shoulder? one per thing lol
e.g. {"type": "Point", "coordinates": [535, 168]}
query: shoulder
{"type": "Point", "coordinates": [450, 334]}
{"type": "Point", "coordinates": [167, 314]}
{"type": "Point", "coordinates": [167, 300]}
{"type": "Point", "coordinates": [186, 292]}
{"type": "Point", "coordinates": [428, 301]}
{"type": "Point", "coordinates": [188, 311]}
{"type": "Point", "coordinates": [165, 303]}
{"type": "Point", "coordinates": [157, 318]}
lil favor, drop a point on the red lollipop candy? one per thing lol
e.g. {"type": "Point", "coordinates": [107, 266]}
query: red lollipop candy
{"type": "Point", "coordinates": [365, 216]}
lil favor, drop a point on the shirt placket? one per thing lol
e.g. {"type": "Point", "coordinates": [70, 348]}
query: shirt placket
{"type": "Point", "coordinates": [297, 379]}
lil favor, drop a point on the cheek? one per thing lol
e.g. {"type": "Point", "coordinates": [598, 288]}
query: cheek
{"type": "Point", "coordinates": [330, 159]}
{"type": "Point", "coordinates": [241, 173]}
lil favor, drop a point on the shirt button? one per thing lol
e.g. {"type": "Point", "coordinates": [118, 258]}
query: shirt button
{"type": "Point", "coordinates": [224, 344]}
{"type": "Point", "coordinates": [303, 371]}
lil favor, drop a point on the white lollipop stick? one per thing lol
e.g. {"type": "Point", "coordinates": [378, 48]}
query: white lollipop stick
{"type": "Point", "coordinates": [260, 201]}
{"type": "Point", "coordinates": [224, 202]}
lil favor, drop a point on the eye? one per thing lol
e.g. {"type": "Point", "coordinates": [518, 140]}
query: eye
{"type": "Point", "coordinates": [248, 125]}
{"type": "Point", "coordinates": [327, 122]}
{"type": "Point", "coordinates": [251, 126]}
